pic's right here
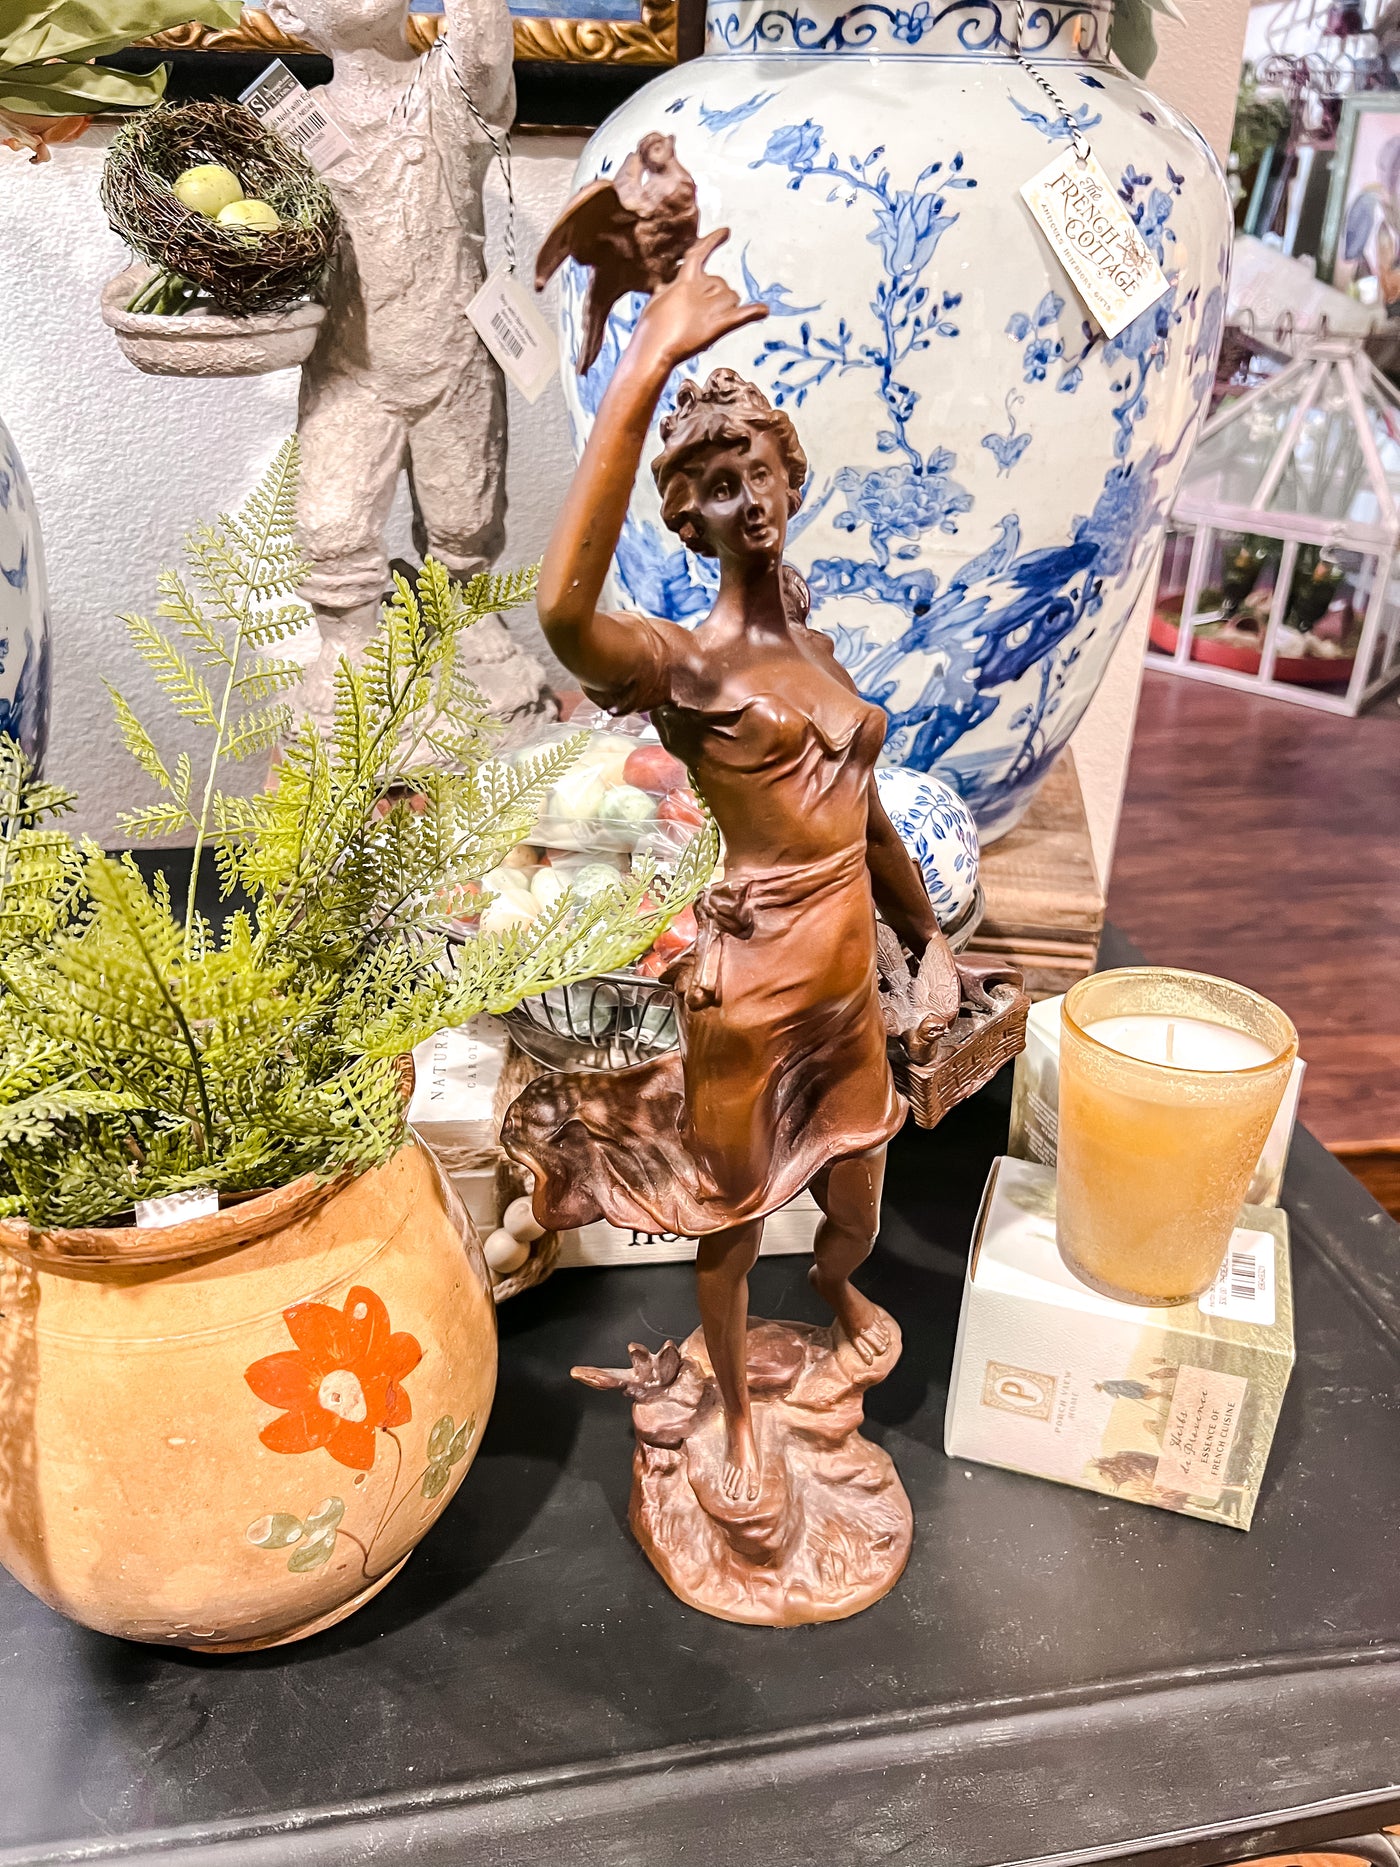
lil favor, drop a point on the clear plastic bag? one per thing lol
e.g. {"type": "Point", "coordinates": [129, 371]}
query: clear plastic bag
{"type": "Point", "coordinates": [626, 795]}
{"type": "Point", "coordinates": [625, 802]}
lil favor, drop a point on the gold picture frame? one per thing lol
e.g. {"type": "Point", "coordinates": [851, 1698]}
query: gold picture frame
{"type": "Point", "coordinates": [649, 40]}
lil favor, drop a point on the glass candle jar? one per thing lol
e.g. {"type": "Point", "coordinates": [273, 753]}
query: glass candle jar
{"type": "Point", "coordinates": [1169, 1084]}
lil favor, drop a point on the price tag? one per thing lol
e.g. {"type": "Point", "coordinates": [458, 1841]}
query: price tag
{"type": "Point", "coordinates": [1114, 270]}
{"type": "Point", "coordinates": [176, 1208]}
{"type": "Point", "coordinates": [515, 333]}
{"type": "Point", "coordinates": [1244, 1290]}
{"type": "Point", "coordinates": [280, 100]}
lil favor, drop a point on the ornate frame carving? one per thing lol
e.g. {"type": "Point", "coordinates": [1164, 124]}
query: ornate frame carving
{"type": "Point", "coordinates": [650, 41]}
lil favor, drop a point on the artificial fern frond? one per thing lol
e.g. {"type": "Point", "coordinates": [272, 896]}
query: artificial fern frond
{"type": "Point", "coordinates": [181, 683]}
{"type": "Point", "coordinates": [138, 741]}
{"type": "Point", "coordinates": [267, 677]}
{"type": "Point", "coordinates": [276, 623]}
{"type": "Point", "coordinates": [180, 607]}
{"type": "Point", "coordinates": [256, 731]}
{"type": "Point", "coordinates": [144, 1051]}
{"type": "Point", "coordinates": [37, 1118]}
{"type": "Point", "coordinates": [155, 820]}
{"type": "Point", "coordinates": [39, 866]}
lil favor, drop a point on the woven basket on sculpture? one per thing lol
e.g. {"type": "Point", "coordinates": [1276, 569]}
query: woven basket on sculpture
{"type": "Point", "coordinates": [240, 270]}
{"type": "Point", "coordinates": [969, 1054]}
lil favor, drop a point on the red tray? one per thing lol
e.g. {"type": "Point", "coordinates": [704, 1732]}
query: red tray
{"type": "Point", "coordinates": [1301, 670]}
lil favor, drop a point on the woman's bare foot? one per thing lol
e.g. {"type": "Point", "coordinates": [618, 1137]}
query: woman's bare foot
{"type": "Point", "coordinates": [742, 1472]}
{"type": "Point", "coordinates": [862, 1323]}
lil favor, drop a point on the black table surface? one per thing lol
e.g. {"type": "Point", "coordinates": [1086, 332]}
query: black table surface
{"type": "Point", "coordinates": [1058, 1675]}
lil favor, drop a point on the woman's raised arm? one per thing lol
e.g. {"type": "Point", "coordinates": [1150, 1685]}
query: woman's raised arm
{"type": "Point", "coordinates": [683, 318]}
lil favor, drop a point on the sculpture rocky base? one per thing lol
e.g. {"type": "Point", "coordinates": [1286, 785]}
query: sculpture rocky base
{"type": "Point", "coordinates": [830, 1530]}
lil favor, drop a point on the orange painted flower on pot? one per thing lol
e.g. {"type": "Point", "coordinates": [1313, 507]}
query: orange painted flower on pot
{"type": "Point", "coordinates": [341, 1383]}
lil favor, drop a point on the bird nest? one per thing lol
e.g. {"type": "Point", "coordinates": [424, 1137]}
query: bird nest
{"type": "Point", "coordinates": [240, 271]}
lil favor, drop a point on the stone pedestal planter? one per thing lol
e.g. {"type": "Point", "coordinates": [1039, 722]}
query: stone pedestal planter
{"type": "Point", "coordinates": [207, 343]}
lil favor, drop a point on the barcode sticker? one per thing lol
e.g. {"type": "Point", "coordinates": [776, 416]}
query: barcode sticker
{"type": "Point", "coordinates": [280, 100]}
{"type": "Point", "coordinates": [1244, 1291]}
{"type": "Point", "coordinates": [515, 333]}
{"type": "Point", "coordinates": [176, 1208]}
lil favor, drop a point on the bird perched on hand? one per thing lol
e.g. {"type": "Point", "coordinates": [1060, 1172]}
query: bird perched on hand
{"type": "Point", "coordinates": [633, 232]}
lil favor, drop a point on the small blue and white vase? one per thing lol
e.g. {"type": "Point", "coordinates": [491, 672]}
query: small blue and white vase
{"type": "Point", "coordinates": [24, 619]}
{"type": "Point", "coordinates": [937, 829]}
{"type": "Point", "coordinates": [989, 474]}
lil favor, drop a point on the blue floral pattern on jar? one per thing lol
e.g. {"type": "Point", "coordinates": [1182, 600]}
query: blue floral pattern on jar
{"type": "Point", "coordinates": [988, 473]}
{"type": "Point", "coordinates": [24, 622]}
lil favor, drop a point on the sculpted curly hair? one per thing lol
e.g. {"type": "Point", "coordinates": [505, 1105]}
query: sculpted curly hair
{"type": "Point", "coordinates": [727, 412]}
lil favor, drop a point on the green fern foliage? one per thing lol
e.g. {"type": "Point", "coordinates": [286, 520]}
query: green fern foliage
{"type": "Point", "coordinates": [143, 1051]}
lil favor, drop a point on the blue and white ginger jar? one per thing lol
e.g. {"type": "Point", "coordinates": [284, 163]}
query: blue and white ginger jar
{"type": "Point", "coordinates": [24, 622]}
{"type": "Point", "coordinates": [989, 473]}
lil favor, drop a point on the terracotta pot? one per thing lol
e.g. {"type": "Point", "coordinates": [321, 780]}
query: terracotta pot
{"type": "Point", "coordinates": [231, 1433]}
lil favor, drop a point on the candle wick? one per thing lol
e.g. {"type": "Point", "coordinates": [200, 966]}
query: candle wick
{"type": "Point", "coordinates": [1171, 1041]}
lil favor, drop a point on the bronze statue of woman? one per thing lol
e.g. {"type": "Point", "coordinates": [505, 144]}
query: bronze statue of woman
{"type": "Point", "coordinates": [782, 1080]}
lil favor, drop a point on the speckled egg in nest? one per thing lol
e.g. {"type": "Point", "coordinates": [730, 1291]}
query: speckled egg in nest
{"type": "Point", "coordinates": [241, 271]}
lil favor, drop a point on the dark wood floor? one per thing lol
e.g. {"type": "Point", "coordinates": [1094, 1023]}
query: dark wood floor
{"type": "Point", "coordinates": [1262, 841]}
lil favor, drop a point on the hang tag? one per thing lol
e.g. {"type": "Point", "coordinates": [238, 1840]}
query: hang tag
{"type": "Point", "coordinates": [280, 100]}
{"type": "Point", "coordinates": [1114, 270]}
{"type": "Point", "coordinates": [515, 333]}
{"type": "Point", "coordinates": [176, 1208]}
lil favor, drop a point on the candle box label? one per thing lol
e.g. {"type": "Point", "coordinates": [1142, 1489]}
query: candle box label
{"type": "Point", "coordinates": [1244, 1288]}
{"type": "Point", "coordinates": [1035, 1106]}
{"type": "Point", "coordinates": [1203, 1417]}
{"type": "Point", "coordinates": [1169, 1407]}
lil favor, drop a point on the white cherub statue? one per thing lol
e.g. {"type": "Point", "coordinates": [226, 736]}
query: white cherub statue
{"type": "Point", "coordinates": [399, 377]}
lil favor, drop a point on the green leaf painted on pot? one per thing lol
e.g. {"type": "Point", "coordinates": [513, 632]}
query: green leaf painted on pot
{"type": "Point", "coordinates": [277, 1530]}
{"type": "Point", "coordinates": [463, 1439]}
{"type": "Point", "coordinates": [446, 1448]}
{"type": "Point", "coordinates": [326, 1516]}
{"type": "Point", "coordinates": [316, 1537]}
{"type": "Point", "coordinates": [312, 1553]}
{"type": "Point", "coordinates": [436, 1477]}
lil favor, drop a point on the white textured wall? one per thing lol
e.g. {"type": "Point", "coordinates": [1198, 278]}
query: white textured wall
{"type": "Point", "coordinates": [1198, 70]}
{"type": "Point", "coordinates": [124, 464]}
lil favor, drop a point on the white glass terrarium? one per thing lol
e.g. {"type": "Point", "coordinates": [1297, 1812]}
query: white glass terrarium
{"type": "Point", "coordinates": [1282, 565]}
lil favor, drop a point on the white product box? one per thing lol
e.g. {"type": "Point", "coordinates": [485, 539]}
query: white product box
{"type": "Point", "coordinates": [454, 1094]}
{"type": "Point", "coordinates": [1170, 1407]}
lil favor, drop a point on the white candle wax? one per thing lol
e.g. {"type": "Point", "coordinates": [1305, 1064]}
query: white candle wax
{"type": "Point", "coordinates": [1184, 1043]}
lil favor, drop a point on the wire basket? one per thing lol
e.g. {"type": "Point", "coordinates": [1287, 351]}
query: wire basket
{"type": "Point", "coordinates": [240, 271]}
{"type": "Point", "coordinates": [620, 1019]}
{"type": "Point", "coordinates": [609, 1023]}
